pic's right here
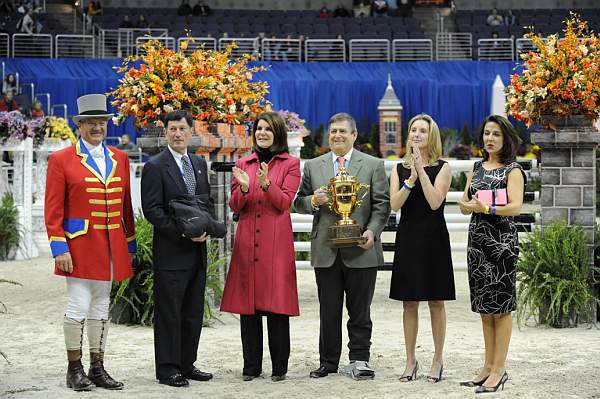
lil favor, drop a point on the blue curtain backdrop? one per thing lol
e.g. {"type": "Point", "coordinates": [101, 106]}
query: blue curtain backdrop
{"type": "Point", "coordinates": [453, 92]}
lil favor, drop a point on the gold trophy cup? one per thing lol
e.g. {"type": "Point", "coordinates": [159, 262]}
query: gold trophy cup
{"type": "Point", "coordinates": [343, 191]}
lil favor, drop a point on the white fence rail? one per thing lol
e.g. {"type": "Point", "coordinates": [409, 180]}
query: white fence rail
{"type": "Point", "coordinates": [117, 43]}
{"type": "Point", "coordinates": [195, 43]}
{"type": "Point", "coordinates": [75, 46]}
{"type": "Point", "coordinates": [412, 50]}
{"type": "Point", "coordinates": [496, 49]}
{"type": "Point", "coordinates": [38, 46]}
{"type": "Point", "coordinates": [166, 41]}
{"type": "Point", "coordinates": [281, 50]}
{"type": "Point", "coordinates": [324, 50]}
{"type": "Point", "coordinates": [454, 46]}
{"type": "Point", "coordinates": [369, 50]}
{"type": "Point", "coordinates": [4, 45]}
{"type": "Point", "coordinates": [244, 45]}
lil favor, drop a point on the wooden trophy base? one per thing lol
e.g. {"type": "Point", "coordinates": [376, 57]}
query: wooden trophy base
{"type": "Point", "coordinates": [345, 236]}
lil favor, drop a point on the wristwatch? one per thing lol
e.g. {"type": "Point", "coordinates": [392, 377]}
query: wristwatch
{"type": "Point", "coordinates": [266, 187]}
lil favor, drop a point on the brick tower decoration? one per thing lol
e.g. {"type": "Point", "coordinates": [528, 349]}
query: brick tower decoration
{"type": "Point", "coordinates": [390, 122]}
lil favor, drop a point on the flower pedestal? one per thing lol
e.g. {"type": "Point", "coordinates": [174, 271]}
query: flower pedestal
{"type": "Point", "coordinates": [568, 172]}
{"type": "Point", "coordinates": [569, 176]}
{"type": "Point", "coordinates": [295, 142]}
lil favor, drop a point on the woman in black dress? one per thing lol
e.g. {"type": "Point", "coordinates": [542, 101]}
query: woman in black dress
{"type": "Point", "coordinates": [493, 245]}
{"type": "Point", "coordinates": [422, 260]}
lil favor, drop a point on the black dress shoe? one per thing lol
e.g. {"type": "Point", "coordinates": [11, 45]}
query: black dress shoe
{"type": "Point", "coordinates": [197, 375]}
{"type": "Point", "coordinates": [321, 372]}
{"type": "Point", "coordinates": [276, 378]}
{"type": "Point", "coordinates": [247, 377]}
{"type": "Point", "coordinates": [176, 380]}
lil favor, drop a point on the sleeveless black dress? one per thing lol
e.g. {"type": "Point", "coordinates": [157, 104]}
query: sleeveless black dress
{"type": "Point", "coordinates": [493, 248]}
{"type": "Point", "coordinates": [422, 260]}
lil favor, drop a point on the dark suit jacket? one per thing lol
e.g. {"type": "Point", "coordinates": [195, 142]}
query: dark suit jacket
{"type": "Point", "coordinates": [162, 182]}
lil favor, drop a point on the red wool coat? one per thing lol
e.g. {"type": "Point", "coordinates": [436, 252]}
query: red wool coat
{"type": "Point", "coordinates": [262, 272]}
{"type": "Point", "coordinates": [88, 216]}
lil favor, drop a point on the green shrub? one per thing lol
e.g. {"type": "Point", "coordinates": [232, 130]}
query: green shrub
{"type": "Point", "coordinates": [132, 300]}
{"type": "Point", "coordinates": [10, 232]}
{"type": "Point", "coordinates": [556, 277]}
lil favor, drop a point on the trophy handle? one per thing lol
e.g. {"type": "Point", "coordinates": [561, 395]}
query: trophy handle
{"type": "Point", "coordinates": [329, 196]}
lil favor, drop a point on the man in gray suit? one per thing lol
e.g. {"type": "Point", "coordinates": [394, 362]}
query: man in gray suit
{"type": "Point", "coordinates": [350, 270]}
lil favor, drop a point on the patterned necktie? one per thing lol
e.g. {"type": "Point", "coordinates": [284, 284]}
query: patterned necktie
{"type": "Point", "coordinates": [341, 162]}
{"type": "Point", "coordinates": [188, 175]}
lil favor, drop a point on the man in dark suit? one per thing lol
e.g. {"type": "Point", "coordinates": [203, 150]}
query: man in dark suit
{"type": "Point", "coordinates": [179, 262]}
{"type": "Point", "coordinates": [352, 270]}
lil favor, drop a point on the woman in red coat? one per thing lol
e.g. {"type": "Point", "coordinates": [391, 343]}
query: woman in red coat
{"type": "Point", "coordinates": [262, 275]}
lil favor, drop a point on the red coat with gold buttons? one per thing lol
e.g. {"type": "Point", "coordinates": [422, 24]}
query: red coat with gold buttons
{"type": "Point", "coordinates": [89, 216]}
{"type": "Point", "coordinates": [262, 273]}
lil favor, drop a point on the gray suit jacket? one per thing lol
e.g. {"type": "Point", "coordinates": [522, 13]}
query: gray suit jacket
{"type": "Point", "coordinates": [371, 215]}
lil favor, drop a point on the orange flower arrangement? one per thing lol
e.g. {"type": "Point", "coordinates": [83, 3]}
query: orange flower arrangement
{"type": "Point", "coordinates": [208, 84]}
{"type": "Point", "coordinates": [562, 79]}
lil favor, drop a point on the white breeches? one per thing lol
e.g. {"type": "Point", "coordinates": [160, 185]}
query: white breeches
{"type": "Point", "coordinates": [87, 299]}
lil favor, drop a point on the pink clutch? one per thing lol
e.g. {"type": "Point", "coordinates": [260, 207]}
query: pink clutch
{"type": "Point", "coordinates": [494, 197]}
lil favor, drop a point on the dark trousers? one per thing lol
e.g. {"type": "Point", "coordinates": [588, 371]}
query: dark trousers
{"type": "Point", "coordinates": [359, 286]}
{"type": "Point", "coordinates": [178, 314]}
{"type": "Point", "coordinates": [278, 327]}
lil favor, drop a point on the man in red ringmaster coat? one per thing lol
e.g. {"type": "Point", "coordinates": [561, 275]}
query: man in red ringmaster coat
{"type": "Point", "coordinates": [90, 225]}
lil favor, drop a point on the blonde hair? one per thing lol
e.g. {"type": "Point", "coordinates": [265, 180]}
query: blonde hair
{"type": "Point", "coordinates": [434, 141]}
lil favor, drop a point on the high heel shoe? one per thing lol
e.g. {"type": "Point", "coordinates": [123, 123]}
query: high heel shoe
{"type": "Point", "coordinates": [412, 376]}
{"type": "Point", "coordinates": [484, 389]}
{"type": "Point", "coordinates": [438, 378]}
{"type": "Point", "coordinates": [472, 384]}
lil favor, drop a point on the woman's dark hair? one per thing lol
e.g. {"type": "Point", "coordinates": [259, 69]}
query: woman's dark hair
{"type": "Point", "coordinates": [510, 139]}
{"type": "Point", "coordinates": [7, 78]}
{"type": "Point", "coordinates": [278, 128]}
{"type": "Point", "coordinates": [176, 116]}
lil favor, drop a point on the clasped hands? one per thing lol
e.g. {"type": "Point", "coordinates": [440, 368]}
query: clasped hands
{"type": "Point", "coordinates": [473, 205]}
{"type": "Point", "coordinates": [417, 168]}
{"type": "Point", "coordinates": [244, 180]}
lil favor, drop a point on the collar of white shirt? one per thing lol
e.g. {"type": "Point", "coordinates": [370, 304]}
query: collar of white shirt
{"type": "Point", "coordinates": [346, 157]}
{"type": "Point", "coordinates": [96, 151]}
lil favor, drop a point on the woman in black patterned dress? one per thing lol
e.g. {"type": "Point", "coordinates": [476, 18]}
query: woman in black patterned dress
{"type": "Point", "coordinates": [422, 259]}
{"type": "Point", "coordinates": [493, 245]}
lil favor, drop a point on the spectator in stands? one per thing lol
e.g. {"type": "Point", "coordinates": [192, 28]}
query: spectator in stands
{"type": "Point", "coordinates": [362, 9]}
{"type": "Point", "coordinates": [340, 11]}
{"type": "Point", "coordinates": [36, 110]}
{"type": "Point", "coordinates": [405, 8]}
{"type": "Point", "coordinates": [8, 103]}
{"type": "Point", "coordinates": [8, 6]}
{"type": "Point", "coordinates": [201, 9]}
{"type": "Point", "coordinates": [90, 13]}
{"type": "Point", "coordinates": [494, 19]}
{"type": "Point", "coordinates": [184, 8]}
{"type": "Point", "coordinates": [9, 84]}
{"type": "Point", "coordinates": [324, 12]}
{"type": "Point", "coordinates": [509, 18]}
{"type": "Point", "coordinates": [142, 22]}
{"type": "Point", "coordinates": [126, 144]}
{"type": "Point", "coordinates": [28, 24]}
{"type": "Point", "coordinates": [380, 8]}
{"type": "Point", "coordinates": [126, 23]}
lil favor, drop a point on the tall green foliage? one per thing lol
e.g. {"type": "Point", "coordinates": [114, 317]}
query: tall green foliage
{"type": "Point", "coordinates": [556, 277]}
{"type": "Point", "coordinates": [10, 232]}
{"type": "Point", "coordinates": [465, 135]}
{"type": "Point", "coordinates": [374, 140]}
{"type": "Point", "coordinates": [133, 298]}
